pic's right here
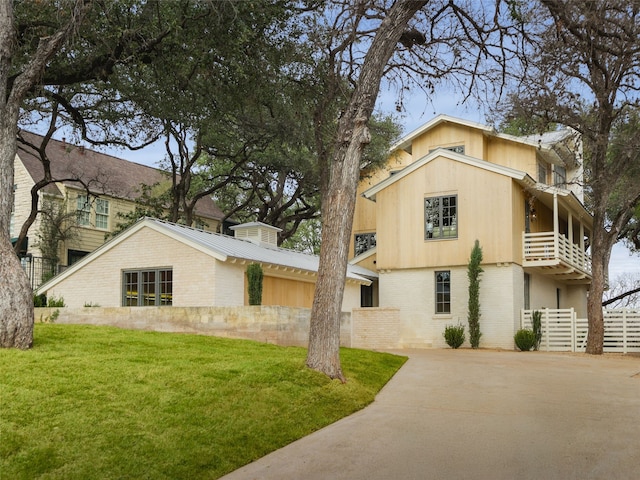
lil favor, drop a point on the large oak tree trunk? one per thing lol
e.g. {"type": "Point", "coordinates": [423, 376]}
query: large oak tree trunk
{"type": "Point", "coordinates": [16, 297]}
{"type": "Point", "coordinates": [339, 197]}
{"type": "Point", "coordinates": [16, 302]}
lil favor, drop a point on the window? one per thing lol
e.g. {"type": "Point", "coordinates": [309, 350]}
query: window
{"type": "Point", "coordinates": [527, 291]}
{"type": "Point", "coordinates": [74, 256]}
{"type": "Point", "coordinates": [153, 287]}
{"type": "Point", "coordinates": [559, 176]}
{"type": "Point", "coordinates": [443, 292]}
{"type": "Point", "coordinates": [441, 217]}
{"type": "Point", "coordinates": [102, 214]}
{"type": "Point", "coordinates": [542, 172]}
{"type": "Point", "coordinates": [455, 148]}
{"type": "Point", "coordinates": [83, 210]}
{"type": "Point", "coordinates": [363, 242]}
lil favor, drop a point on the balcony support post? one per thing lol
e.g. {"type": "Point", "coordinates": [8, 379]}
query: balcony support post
{"type": "Point", "coordinates": [556, 226]}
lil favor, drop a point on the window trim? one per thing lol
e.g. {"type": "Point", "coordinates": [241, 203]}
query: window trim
{"type": "Point", "coordinates": [429, 228]}
{"type": "Point", "coordinates": [102, 215]}
{"type": "Point", "coordinates": [162, 297]}
{"type": "Point", "coordinates": [83, 213]}
{"type": "Point", "coordinates": [446, 298]}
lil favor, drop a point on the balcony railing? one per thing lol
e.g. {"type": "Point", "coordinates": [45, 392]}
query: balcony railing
{"type": "Point", "coordinates": [547, 249]}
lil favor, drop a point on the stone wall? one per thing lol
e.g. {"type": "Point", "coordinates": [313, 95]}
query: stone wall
{"type": "Point", "coordinates": [288, 326]}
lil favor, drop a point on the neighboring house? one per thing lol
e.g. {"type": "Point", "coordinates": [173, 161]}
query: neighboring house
{"type": "Point", "coordinates": [451, 182]}
{"type": "Point", "coordinates": [96, 186]}
{"type": "Point", "coordinates": [159, 263]}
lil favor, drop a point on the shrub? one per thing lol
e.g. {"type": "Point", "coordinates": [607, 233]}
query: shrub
{"type": "Point", "coordinates": [40, 300]}
{"type": "Point", "coordinates": [55, 302]}
{"type": "Point", "coordinates": [536, 319]}
{"type": "Point", "coordinates": [254, 280]}
{"type": "Point", "coordinates": [525, 339]}
{"type": "Point", "coordinates": [454, 335]}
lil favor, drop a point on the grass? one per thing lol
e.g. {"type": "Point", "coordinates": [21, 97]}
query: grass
{"type": "Point", "coordinates": [98, 402]}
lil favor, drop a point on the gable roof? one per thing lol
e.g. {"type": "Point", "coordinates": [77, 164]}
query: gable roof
{"type": "Point", "coordinates": [544, 192]}
{"type": "Point", "coordinates": [520, 176]}
{"type": "Point", "coordinates": [221, 247]}
{"type": "Point", "coordinates": [104, 174]}
{"type": "Point", "coordinates": [550, 144]}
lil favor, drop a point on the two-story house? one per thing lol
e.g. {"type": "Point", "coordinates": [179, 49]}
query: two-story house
{"type": "Point", "coordinates": [95, 188]}
{"type": "Point", "coordinates": [451, 182]}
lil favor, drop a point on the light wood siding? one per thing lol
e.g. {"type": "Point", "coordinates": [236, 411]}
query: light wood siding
{"type": "Point", "coordinates": [89, 237]}
{"type": "Point", "coordinates": [22, 207]}
{"type": "Point", "coordinates": [282, 291]}
{"type": "Point", "coordinates": [364, 220]}
{"type": "Point", "coordinates": [484, 213]}
{"type": "Point", "coordinates": [514, 155]}
{"type": "Point", "coordinates": [519, 198]}
{"type": "Point", "coordinates": [449, 135]}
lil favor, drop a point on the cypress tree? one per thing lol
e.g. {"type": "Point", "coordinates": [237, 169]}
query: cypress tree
{"type": "Point", "coordinates": [474, 270]}
{"type": "Point", "coordinates": [254, 280]}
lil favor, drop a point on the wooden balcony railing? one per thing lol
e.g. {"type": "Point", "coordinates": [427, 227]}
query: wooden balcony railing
{"type": "Point", "coordinates": [548, 249]}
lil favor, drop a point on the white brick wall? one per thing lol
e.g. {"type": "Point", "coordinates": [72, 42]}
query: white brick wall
{"type": "Point", "coordinates": [413, 293]}
{"type": "Point", "coordinates": [198, 279]}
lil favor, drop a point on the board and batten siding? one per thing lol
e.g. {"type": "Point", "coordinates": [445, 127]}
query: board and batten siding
{"type": "Point", "coordinates": [484, 213]}
{"type": "Point", "coordinates": [449, 135]}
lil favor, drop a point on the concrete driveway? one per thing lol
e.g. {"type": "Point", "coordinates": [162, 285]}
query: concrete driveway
{"type": "Point", "coordinates": [465, 414]}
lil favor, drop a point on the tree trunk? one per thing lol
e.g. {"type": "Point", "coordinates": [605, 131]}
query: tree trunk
{"type": "Point", "coordinates": [16, 298]}
{"type": "Point", "coordinates": [338, 201]}
{"type": "Point", "coordinates": [602, 243]}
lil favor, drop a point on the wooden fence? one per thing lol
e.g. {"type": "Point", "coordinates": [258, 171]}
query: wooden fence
{"type": "Point", "coordinates": [562, 331]}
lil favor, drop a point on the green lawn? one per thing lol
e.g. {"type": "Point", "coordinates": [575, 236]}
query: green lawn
{"type": "Point", "coordinates": [97, 402]}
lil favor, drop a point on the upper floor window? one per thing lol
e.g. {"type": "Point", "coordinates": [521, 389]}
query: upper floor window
{"type": "Point", "coordinates": [363, 242]}
{"type": "Point", "coordinates": [441, 217]}
{"type": "Point", "coordinates": [83, 210]}
{"type": "Point", "coordinates": [443, 291]}
{"type": "Point", "coordinates": [455, 148]}
{"type": "Point", "coordinates": [559, 175]}
{"type": "Point", "coordinates": [102, 213]}
{"type": "Point", "coordinates": [542, 172]}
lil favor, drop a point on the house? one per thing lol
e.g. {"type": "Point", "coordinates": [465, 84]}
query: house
{"type": "Point", "coordinates": [157, 263]}
{"type": "Point", "coordinates": [451, 182]}
{"type": "Point", "coordinates": [94, 188]}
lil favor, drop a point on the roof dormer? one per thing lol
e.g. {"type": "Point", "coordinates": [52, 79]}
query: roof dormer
{"type": "Point", "coordinates": [258, 233]}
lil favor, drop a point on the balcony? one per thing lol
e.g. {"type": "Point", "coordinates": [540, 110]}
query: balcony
{"type": "Point", "coordinates": [554, 254]}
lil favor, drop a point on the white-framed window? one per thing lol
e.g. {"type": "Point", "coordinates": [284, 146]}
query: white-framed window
{"type": "Point", "coordinates": [148, 287]}
{"type": "Point", "coordinates": [83, 210]}
{"type": "Point", "coordinates": [102, 213]}
{"type": "Point", "coordinates": [441, 217]}
{"type": "Point", "coordinates": [443, 291]}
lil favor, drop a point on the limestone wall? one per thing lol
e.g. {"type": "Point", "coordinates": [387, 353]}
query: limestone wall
{"type": "Point", "coordinates": [271, 324]}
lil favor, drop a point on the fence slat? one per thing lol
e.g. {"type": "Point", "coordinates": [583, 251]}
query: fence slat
{"type": "Point", "coordinates": [562, 331]}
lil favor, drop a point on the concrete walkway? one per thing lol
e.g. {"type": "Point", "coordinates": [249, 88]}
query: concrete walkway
{"type": "Point", "coordinates": [464, 414]}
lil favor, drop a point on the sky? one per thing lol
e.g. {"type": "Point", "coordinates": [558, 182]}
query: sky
{"type": "Point", "coordinates": [418, 111]}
